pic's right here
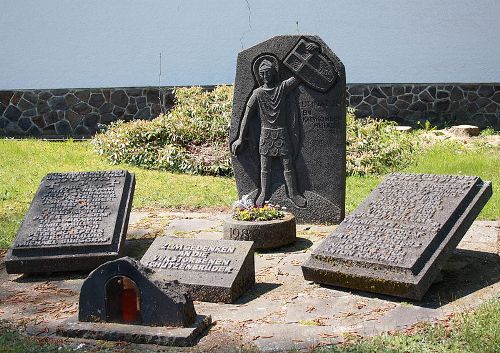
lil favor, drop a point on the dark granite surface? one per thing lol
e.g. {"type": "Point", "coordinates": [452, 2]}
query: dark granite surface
{"type": "Point", "coordinates": [75, 222]}
{"type": "Point", "coordinates": [213, 270]}
{"type": "Point", "coordinates": [292, 149]}
{"type": "Point", "coordinates": [165, 336]}
{"type": "Point", "coordinates": [160, 303]}
{"type": "Point", "coordinates": [397, 240]}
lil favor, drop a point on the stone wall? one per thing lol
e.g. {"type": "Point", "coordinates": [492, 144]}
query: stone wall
{"type": "Point", "coordinates": [56, 113]}
{"type": "Point", "coordinates": [442, 104]}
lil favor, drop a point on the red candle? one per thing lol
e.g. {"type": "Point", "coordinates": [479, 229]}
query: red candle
{"type": "Point", "coordinates": [129, 305]}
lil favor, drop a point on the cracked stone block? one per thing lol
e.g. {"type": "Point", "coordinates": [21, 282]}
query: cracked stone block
{"type": "Point", "coordinates": [71, 99]}
{"type": "Point", "coordinates": [63, 127]}
{"type": "Point", "coordinates": [73, 118]}
{"type": "Point", "coordinates": [16, 97]}
{"type": "Point", "coordinates": [119, 98]}
{"type": "Point", "coordinates": [82, 108]}
{"type": "Point", "coordinates": [42, 107]}
{"type": "Point", "coordinates": [144, 113]}
{"type": "Point", "coordinates": [57, 103]}
{"type": "Point", "coordinates": [106, 108]}
{"type": "Point", "coordinates": [30, 97]}
{"type": "Point", "coordinates": [96, 100]}
{"type": "Point", "coordinates": [91, 120]}
{"type": "Point", "coordinates": [118, 112]}
{"type": "Point", "coordinates": [465, 130]}
{"type": "Point", "coordinates": [12, 113]}
{"type": "Point", "coordinates": [24, 123]}
{"type": "Point", "coordinates": [30, 112]}
{"type": "Point", "coordinates": [44, 95]}
{"type": "Point", "coordinates": [83, 95]}
{"type": "Point", "coordinates": [5, 97]}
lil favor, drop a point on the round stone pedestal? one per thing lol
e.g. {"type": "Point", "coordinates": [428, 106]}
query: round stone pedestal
{"type": "Point", "coordinates": [264, 234]}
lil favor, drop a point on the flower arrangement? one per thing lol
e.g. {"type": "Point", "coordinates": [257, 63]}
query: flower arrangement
{"type": "Point", "coordinates": [246, 210]}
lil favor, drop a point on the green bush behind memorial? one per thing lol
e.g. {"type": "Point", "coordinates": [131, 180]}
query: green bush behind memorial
{"type": "Point", "coordinates": [192, 139]}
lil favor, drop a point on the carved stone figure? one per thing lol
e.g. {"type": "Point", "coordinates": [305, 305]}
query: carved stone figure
{"type": "Point", "coordinates": [269, 102]}
{"type": "Point", "coordinates": [288, 114]}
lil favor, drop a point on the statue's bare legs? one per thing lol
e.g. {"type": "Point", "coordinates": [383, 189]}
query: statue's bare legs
{"type": "Point", "coordinates": [290, 180]}
{"type": "Point", "coordinates": [265, 179]}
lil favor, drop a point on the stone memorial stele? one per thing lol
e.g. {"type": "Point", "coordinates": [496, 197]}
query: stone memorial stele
{"type": "Point", "coordinates": [288, 127]}
{"type": "Point", "coordinates": [76, 222]}
{"type": "Point", "coordinates": [212, 270]}
{"type": "Point", "coordinates": [119, 302]}
{"type": "Point", "coordinates": [398, 239]}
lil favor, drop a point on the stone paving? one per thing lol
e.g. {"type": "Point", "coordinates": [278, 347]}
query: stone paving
{"type": "Point", "coordinates": [282, 311]}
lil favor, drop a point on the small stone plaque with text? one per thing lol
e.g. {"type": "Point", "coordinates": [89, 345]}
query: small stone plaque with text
{"type": "Point", "coordinates": [213, 270]}
{"type": "Point", "coordinates": [76, 222]}
{"type": "Point", "coordinates": [400, 236]}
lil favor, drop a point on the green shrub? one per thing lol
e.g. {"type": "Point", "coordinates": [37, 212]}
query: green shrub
{"type": "Point", "coordinates": [192, 138]}
{"type": "Point", "coordinates": [375, 146]}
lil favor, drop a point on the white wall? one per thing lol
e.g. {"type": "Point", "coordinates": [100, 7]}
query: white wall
{"type": "Point", "coordinates": [111, 43]}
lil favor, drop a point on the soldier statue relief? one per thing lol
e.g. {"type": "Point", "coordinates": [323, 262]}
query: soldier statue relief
{"type": "Point", "coordinates": [278, 133]}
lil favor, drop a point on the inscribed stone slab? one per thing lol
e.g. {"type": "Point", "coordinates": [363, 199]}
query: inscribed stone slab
{"type": "Point", "coordinates": [213, 270]}
{"type": "Point", "coordinates": [397, 240]}
{"type": "Point", "coordinates": [76, 222]}
{"type": "Point", "coordinates": [288, 127]}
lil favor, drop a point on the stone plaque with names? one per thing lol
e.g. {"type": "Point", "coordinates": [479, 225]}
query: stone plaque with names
{"type": "Point", "coordinates": [213, 270]}
{"type": "Point", "coordinates": [76, 222]}
{"type": "Point", "coordinates": [400, 236]}
{"type": "Point", "coordinates": [288, 127]}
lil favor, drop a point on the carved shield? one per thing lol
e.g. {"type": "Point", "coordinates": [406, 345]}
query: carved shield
{"type": "Point", "coordinates": [311, 66]}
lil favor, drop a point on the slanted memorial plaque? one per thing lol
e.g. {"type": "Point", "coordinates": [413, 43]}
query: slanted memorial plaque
{"type": "Point", "coordinates": [212, 270]}
{"type": "Point", "coordinates": [288, 127]}
{"type": "Point", "coordinates": [400, 236]}
{"type": "Point", "coordinates": [76, 222]}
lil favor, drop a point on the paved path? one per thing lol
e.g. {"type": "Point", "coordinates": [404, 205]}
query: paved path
{"type": "Point", "coordinates": [282, 311]}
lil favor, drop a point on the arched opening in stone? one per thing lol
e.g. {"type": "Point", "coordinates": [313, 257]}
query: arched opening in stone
{"type": "Point", "coordinates": [123, 301]}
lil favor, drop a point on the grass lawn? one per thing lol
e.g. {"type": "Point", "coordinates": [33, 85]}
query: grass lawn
{"type": "Point", "coordinates": [24, 163]}
{"type": "Point", "coordinates": [454, 158]}
{"type": "Point", "coordinates": [476, 332]}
